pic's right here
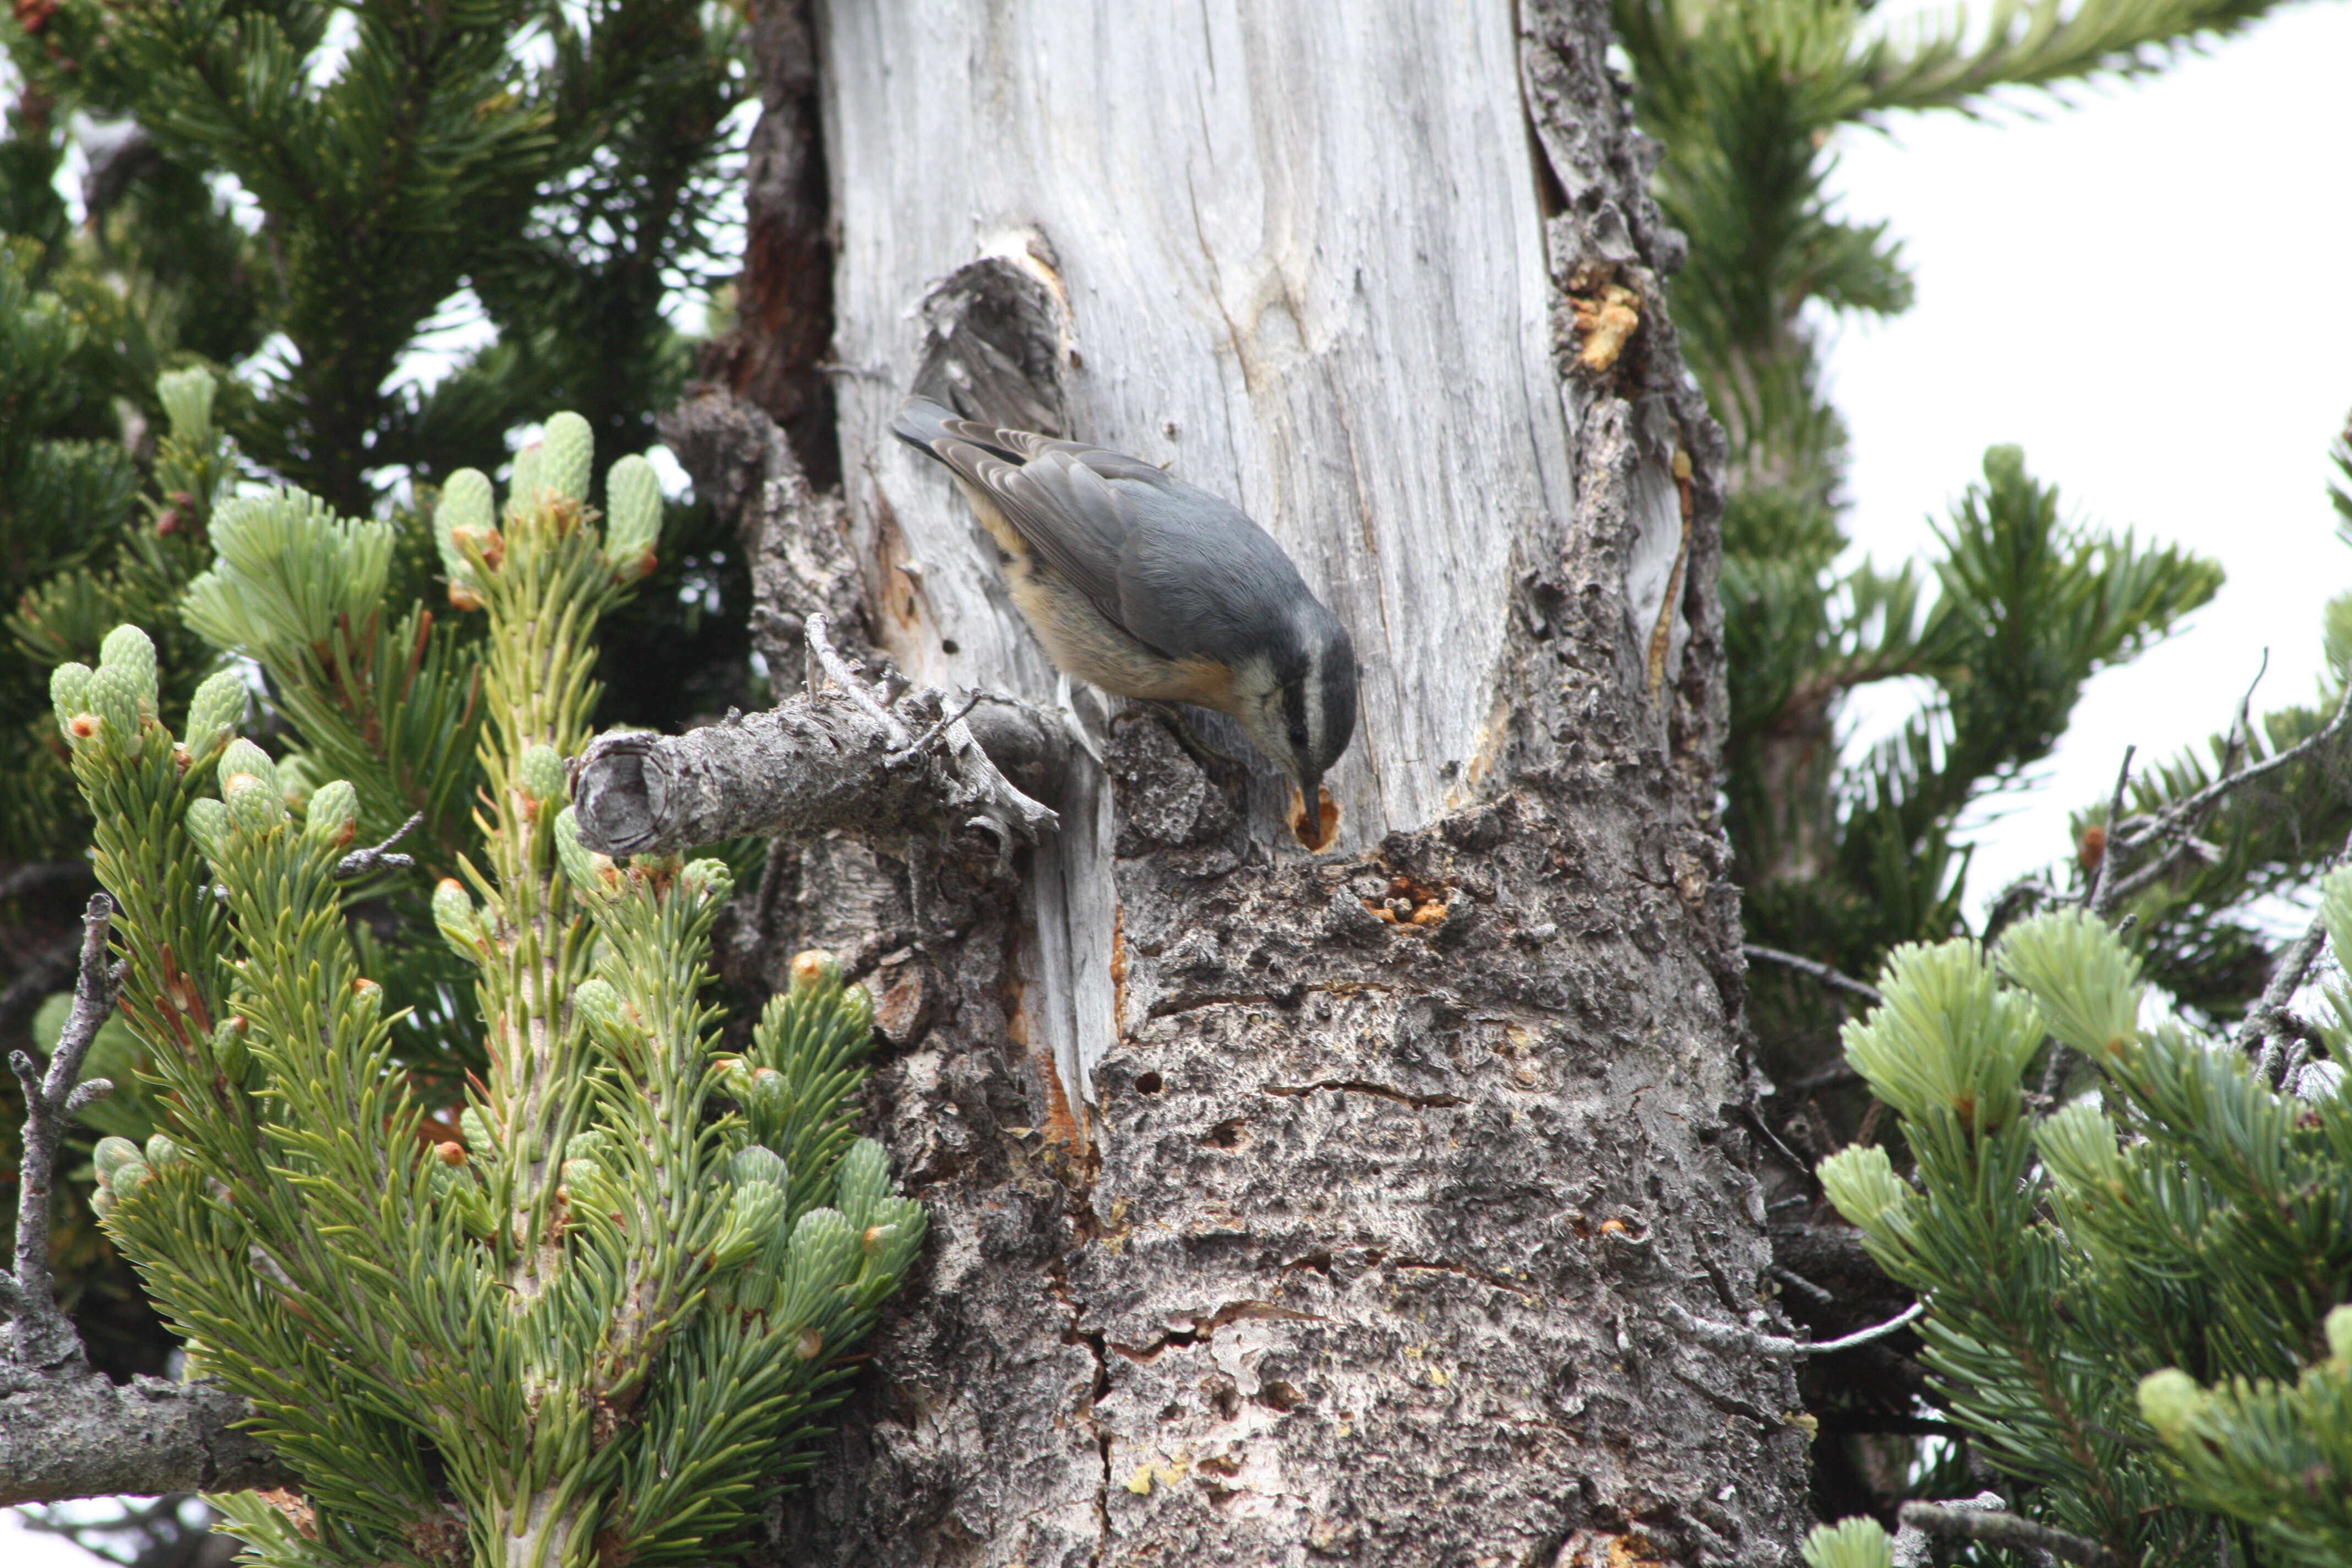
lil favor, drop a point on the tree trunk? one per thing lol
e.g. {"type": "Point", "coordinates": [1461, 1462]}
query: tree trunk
{"type": "Point", "coordinates": [1289, 1207]}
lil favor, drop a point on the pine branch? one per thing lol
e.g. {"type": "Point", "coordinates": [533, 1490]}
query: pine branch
{"type": "Point", "coordinates": [2172, 819]}
{"type": "Point", "coordinates": [1997, 1529]}
{"type": "Point", "coordinates": [2038, 46]}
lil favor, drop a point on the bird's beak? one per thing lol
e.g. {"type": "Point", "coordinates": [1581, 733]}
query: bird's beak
{"type": "Point", "coordinates": [1308, 824]}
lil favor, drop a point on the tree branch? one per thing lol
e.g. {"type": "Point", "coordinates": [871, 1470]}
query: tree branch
{"type": "Point", "coordinates": [379, 857]}
{"type": "Point", "coordinates": [1733, 1337]}
{"type": "Point", "coordinates": [2172, 819]}
{"type": "Point", "coordinates": [66, 1430]}
{"type": "Point", "coordinates": [1819, 971]}
{"type": "Point", "coordinates": [43, 1338]}
{"type": "Point", "coordinates": [2267, 1022]}
{"type": "Point", "coordinates": [829, 759]}
{"type": "Point", "coordinates": [1997, 1529]}
{"type": "Point", "coordinates": [75, 1435]}
{"type": "Point", "coordinates": [2101, 892]}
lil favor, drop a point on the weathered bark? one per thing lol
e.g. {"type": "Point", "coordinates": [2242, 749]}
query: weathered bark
{"type": "Point", "coordinates": [1296, 1208]}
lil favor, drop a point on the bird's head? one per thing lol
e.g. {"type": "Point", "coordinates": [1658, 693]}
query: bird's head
{"type": "Point", "coordinates": [1300, 707]}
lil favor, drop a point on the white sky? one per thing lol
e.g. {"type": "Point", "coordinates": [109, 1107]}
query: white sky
{"type": "Point", "coordinates": [2152, 294]}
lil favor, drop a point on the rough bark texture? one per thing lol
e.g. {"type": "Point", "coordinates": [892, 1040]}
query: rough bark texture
{"type": "Point", "coordinates": [1401, 1159]}
{"type": "Point", "coordinates": [68, 1432]}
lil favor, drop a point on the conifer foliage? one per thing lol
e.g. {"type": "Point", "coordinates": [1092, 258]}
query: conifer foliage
{"type": "Point", "coordinates": [572, 1327]}
{"type": "Point", "coordinates": [2137, 1304]}
{"type": "Point", "coordinates": [2016, 608]}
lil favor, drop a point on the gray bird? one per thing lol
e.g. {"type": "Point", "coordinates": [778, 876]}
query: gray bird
{"type": "Point", "coordinates": [1155, 589]}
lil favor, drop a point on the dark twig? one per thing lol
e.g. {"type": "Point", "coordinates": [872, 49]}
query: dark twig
{"type": "Point", "coordinates": [379, 857]}
{"type": "Point", "coordinates": [2054, 1070]}
{"type": "Point", "coordinates": [44, 1338]}
{"type": "Point", "coordinates": [916, 747]}
{"type": "Point", "coordinates": [837, 668]}
{"type": "Point", "coordinates": [2098, 897]}
{"type": "Point", "coordinates": [1996, 1528]}
{"type": "Point", "coordinates": [2268, 1021]}
{"type": "Point", "coordinates": [1819, 971]}
{"type": "Point", "coordinates": [2173, 819]}
{"type": "Point", "coordinates": [1790, 1277]}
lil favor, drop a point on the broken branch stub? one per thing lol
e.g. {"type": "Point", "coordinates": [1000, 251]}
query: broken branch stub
{"type": "Point", "coordinates": [817, 761]}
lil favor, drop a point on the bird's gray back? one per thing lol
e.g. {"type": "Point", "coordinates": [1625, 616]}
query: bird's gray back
{"type": "Point", "coordinates": [1177, 568]}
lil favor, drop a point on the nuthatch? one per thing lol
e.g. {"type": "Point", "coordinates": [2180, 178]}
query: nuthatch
{"type": "Point", "coordinates": [1154, 589]}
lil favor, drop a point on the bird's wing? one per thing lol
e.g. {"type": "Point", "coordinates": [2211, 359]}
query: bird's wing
{"type": "Point", "coordinates": [1165, 562]}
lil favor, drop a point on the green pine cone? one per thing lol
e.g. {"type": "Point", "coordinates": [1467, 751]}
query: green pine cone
{"type": "Point", "coordinates": [243, 758]}
{"type": "Point", "coordinates": [69, 696]}
{"type": "Point", "coordinates": [187, 398]}
{"type": "Point", "coordinates": [1858, 1542]}
{"type": "Point", "coordinates": [131, 651]}
{"type": "Point", "coordinates": [207, 820]}
{"type": "Point", "coordinates": [111, 1155]}
{"type": "Point", "coordinates": [229, 1049]}
{"type": "Point", "coordinates": [567, 455]}
{"type": "Point", "coordinates": [114, 697]}
{"type": "Point", "coordinates": [599, 1005]}
{"type": "Point", "coordinates": [633, 516]}
{"type": "Point", "coordinates": [213, 714]}
{"type": "Point", "coordinates": [861, 1182]}
{"type": "Point", "coordinates": [477, 1129]}
{"type": "Point", "coordinates": [541, 774]}
{"type": "Point", "coordinates": [587, 871]}
{"type": "Point", "coordinates": [522, 496]}
{"type": "Point", "coordinates": [815, 970]}
{"type": "Point", "coordinates": [757, 1163]}
{"type": "Point", "coordinates": [708, 879]}
{"type": "Point", "coordinates": [334, 813]}
{"type": "Point", "coordinates": [2168, 1401]}
{"type": "Point", "coordinates": [466, 503]}
{"type": "Point", "coordinates": [367, 1003]}
{"type": "Point", "coordinates": [459, 922]}
{"type": "Point", "coordinates": [252, 806]}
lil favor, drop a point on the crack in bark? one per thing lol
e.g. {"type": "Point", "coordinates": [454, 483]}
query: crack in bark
{"type": "Point", "coordinates": [1202, 1331]}
{"type": "Point", "coordinates": [1467, 1272]}
{"type": "Point", "coordinates": [1357, 1085]}
{"type": "Point", "coordinates": [1189, 1002]}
